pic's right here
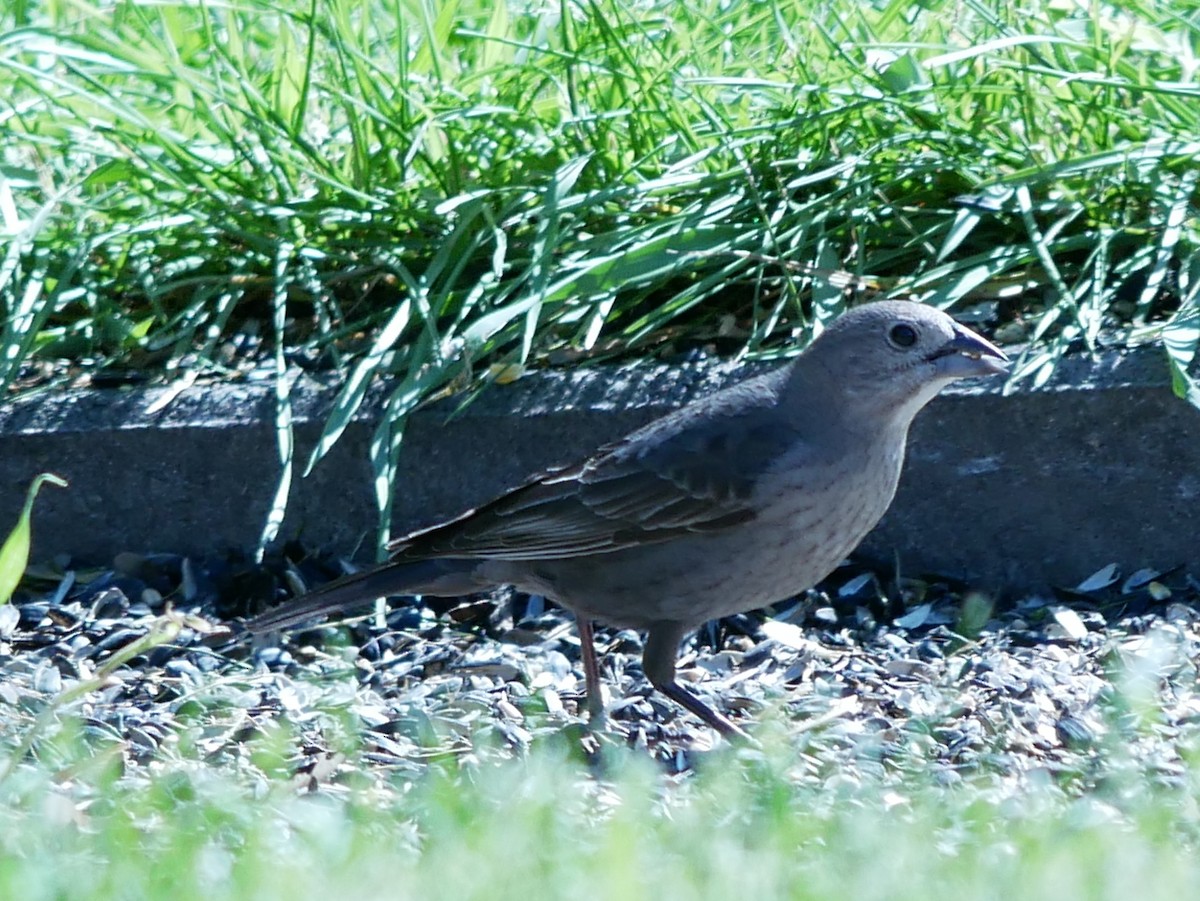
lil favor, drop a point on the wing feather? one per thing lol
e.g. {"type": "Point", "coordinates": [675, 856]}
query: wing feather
{"type": "Point", "coordinates": [691, 472]}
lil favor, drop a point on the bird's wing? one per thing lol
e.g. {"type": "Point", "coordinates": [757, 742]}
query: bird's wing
{"type": "Point", "coordinates": [681, 475]}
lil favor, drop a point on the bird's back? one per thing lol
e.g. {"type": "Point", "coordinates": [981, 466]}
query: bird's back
{"type": "Point", "coordinates": [811, 502]}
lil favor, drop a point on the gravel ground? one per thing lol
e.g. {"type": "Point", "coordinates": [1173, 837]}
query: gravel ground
{"type": "Point", "coordinates": [861, 678]}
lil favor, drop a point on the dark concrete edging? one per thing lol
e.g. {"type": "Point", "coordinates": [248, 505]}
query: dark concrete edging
{"type": "Point", "coordinates": [1039, 487]}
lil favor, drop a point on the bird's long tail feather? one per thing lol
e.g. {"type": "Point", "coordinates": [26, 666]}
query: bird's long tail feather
{"type": "Point", "coordinates": [446, 578]}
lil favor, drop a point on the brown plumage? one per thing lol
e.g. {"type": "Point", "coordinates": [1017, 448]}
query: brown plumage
{"type": "Point", "coordinates": [738, 500]}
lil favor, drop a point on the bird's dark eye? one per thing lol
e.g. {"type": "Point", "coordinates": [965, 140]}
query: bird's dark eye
{"type": "Point", "coordinates": [903, 335]}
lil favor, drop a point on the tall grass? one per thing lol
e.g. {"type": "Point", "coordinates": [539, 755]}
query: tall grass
{"type": "Point", "coordinates": [416, 189]}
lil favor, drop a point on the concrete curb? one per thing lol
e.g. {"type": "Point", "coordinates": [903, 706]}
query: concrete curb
{"type": "Point", "coordinates": [1039, 487]}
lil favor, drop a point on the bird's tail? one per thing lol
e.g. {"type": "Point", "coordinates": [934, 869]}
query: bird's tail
{"type": "Point", "coordinates": [443, 578]}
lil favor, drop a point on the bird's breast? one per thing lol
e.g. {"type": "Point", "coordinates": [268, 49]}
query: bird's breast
{"type": "Point", "coordinates": [809, 515]}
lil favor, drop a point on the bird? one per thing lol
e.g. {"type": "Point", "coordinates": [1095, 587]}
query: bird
{"type": "Point", "coordinates": [735, 501]}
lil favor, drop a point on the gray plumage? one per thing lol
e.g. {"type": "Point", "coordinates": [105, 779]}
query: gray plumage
{"type": "Point", "coordinates": [743, 498]}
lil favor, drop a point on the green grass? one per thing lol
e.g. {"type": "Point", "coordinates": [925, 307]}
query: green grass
{"type": "Point", "coordinates": [443, 194]}
{"type": "Point", "coordinates": [746, 826]}
{"type": "Point", "coordinates": [245, 799]}
{"type": "Point", "coordinates": [440, 193]}
{"type": "Point", "coordinates": [507, 179]}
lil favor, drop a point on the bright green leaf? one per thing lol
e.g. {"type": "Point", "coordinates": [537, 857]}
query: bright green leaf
{"type": "Point", "coordinates": [14, 555]}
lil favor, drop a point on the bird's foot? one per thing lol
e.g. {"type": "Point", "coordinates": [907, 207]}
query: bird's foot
{"type": "Point", "coordinates": [718, 721]}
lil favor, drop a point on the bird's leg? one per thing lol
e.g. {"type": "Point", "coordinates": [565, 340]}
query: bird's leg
{"type": "Point", "coordinates": [658, 663]}
{"type": "Point", "coordinates": [591, 670]}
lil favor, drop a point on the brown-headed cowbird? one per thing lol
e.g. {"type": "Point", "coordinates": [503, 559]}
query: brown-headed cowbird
{"type": "Point", "coordinates": [735, 501]}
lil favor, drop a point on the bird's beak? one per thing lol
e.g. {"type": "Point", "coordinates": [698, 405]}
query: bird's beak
{"type": "Point", "coordinates": [968, 355]}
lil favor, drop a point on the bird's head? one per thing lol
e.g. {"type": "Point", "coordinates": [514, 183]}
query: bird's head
{"type": "Point", "coordinates": [894, 356]}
